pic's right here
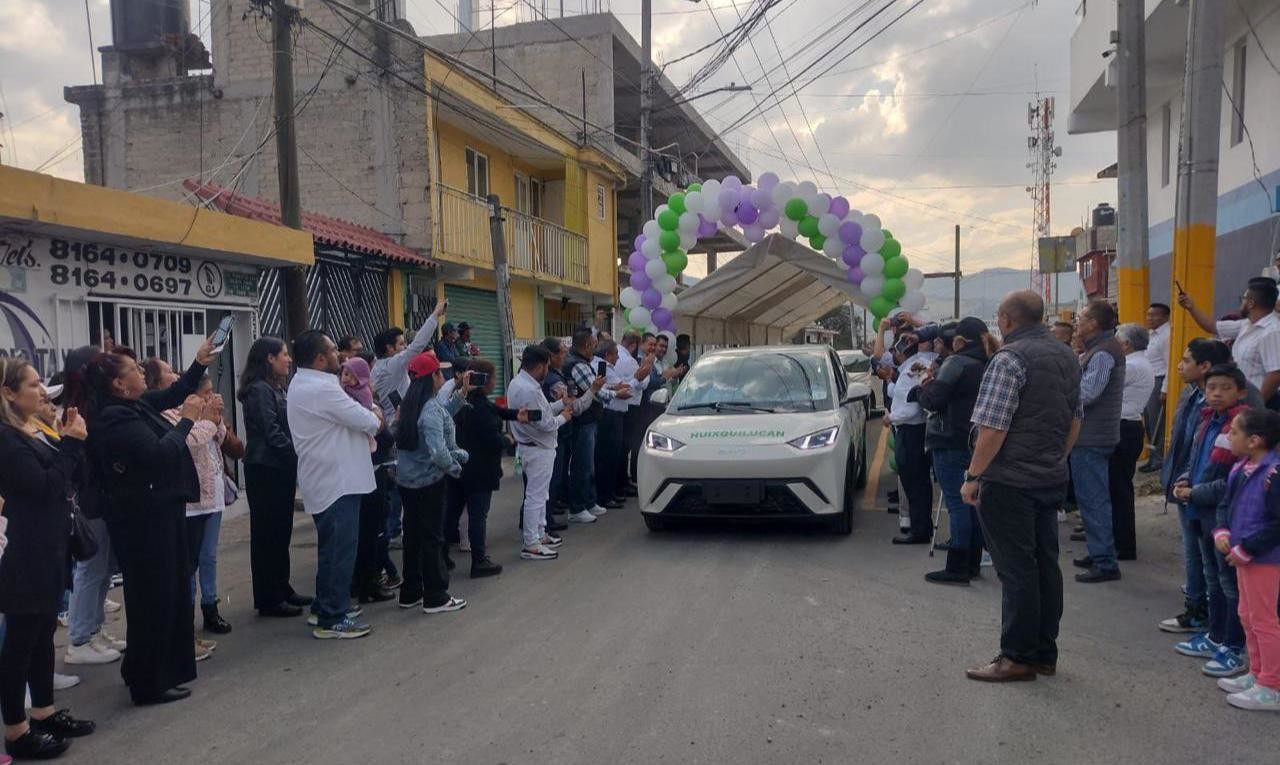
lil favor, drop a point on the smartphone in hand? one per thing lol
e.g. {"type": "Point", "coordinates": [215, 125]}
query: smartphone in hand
{"type": "Point", "coordinates": [535, 415]}
{"type": "Point", "coordinates": [601, 368]}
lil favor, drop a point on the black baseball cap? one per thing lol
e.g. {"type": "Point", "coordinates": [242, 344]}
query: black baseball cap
{"type": "Point", "coordinates": [971, 328]}
{"type": "Point", "coordinates": [463, 327]}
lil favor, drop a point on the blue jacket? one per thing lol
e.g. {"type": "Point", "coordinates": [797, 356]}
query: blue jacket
{"type": "Point", "coordinates": [437, 454]}
{"type": "Point", "coordinates": [1250, 511]}
{"type": "Point", "coordinates": [1178, 453]}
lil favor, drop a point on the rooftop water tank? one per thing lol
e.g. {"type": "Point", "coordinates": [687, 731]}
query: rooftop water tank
{"type": "Point", "coordinates": [1104, 215]}
{"type": "Point", "coordinates": [147, 23]}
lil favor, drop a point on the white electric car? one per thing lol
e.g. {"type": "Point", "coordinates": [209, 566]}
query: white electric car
{"type": "Point", "coordinates": [774, 432]}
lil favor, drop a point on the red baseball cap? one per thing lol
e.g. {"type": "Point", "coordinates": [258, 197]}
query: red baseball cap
{"type": "Point", "coordinates": [426, 364]}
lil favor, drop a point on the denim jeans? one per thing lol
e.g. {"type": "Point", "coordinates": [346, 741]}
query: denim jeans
{"type": "Point", "coordinates": [582, 468]}
{"type": "Point", "coordinates": [1192, 562]}
{"type": "Point", "coordinates": [207, 562]}
{"type": "Point", "coordinates": [337, 534]}
{"type": "Point", "coordinates": [1090, 471]}
{"type": "Point", "coordinates": [949, 466]}
{"type": "Point", "coordinates": [478, 504]}
{"type": "Point", "coordinates": [395, 526]}
{"type": "Point", "coordinates": [92, 581]}
{"type": "Point", "coordinates": [1220, 581]}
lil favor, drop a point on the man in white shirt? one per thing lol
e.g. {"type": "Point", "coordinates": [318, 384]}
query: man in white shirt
{"type": "Point", "coordinates": [536, 448]}
{"type": "Point", "coordinates": [1139, 383]}
{"type": "Point", "coordinates": [632, 350]}
{"type": "Point", "coordinates": [908, 421]}
{"type": "Point", "coordinates": [1256, 346]}
{"type": "Point", "coordinates": [331, 434]}
{"type": "Point", "coordinates": [390, 373]}
{"type": "Point", "coordinates": [1157, 355]}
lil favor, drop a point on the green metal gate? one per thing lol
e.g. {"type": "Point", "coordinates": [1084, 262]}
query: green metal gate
{"type": "Point", "coordinates": [479, 308]}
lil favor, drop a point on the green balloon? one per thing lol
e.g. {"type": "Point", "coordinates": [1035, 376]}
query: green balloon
{"type": "Point", "coordinates": [675, 262]}
{"type": "Point", "coordinates": [669, 240]}
{"type": "Point", "coordinates": [693, 187]}
{"type": "Point", "coordinates": [816, 242]}
{"type": "Point", "coordinates": [892, 248]}
{"type": "Point", "coordinates": [668, 220]}
{"type": "Point", "coordinates": [808, 225]}
{"type": "Point", "coordinates": [881, 306]}
{"type": "Point", "coordinates": [894, 268]}
{"type": "Point", "coordinates": [893, 464]}
{"type": "Point", "coordinates": [887, 234]}
{"type": "Point", "coordinates": [676, 203]}
{"type": "Point", "coordinates": [626, 316]}
{"type": "Point", "coordinates": [893, 290]}
{"type": "Point", "coordinates": [796, 209]}
{"type": "Point", "coordinates": [892, 442]}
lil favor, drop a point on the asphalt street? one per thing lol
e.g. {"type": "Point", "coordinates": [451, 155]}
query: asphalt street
{"type": "Point", "coordinates": [704, 645]}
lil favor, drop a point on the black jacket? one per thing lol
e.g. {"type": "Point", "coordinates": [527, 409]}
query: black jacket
{"type": "Point", "coordinates": [950, 397]}
{"type": "Point", "coordinates": [479, 429]}
{"type": "Point", "coordinates": [36, 481]}
{"type": "Point", "coordinates": [266, 424]}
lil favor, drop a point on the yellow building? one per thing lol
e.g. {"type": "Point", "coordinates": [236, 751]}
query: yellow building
{"type": "Point", "coordinates": [559, 210]}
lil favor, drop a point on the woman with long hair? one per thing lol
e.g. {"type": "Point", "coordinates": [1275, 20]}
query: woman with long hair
{"type": "Point", "coordinates": [147, 469]}
{"type": "Point", "coordinates": [270, 476]}
{"type": "Point", "coordinates": [428, 452]}
{"type": "Point", "coordinates": [37, 480]}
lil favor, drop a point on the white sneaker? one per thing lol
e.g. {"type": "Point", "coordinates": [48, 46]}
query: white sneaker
{"type": "Point", "coordinates": [904, 522]}
{"type": "Point", "coordinates": [538, 553]}
{"type": "Point", "coordinates": [90, 653]}
{"type": "Point", "coordinates": [110, 606]}
{"type": "Point", "coordinates": [598, 511]}
{"type": "Point", "coordinates": [354, 613]}
{"type": "Point", "coordinates": [551, 541]}
{"type": "Point", "coordinates": [62, 682]}
{"type": "Point", "coordinates": [63, 619]}
{"type": "Point", "coordinates": [452, 604]}
{"type": "Point", "coordinates": [201, 652]}
{"type": "Point", "coordinates": [103, 639]}
{"type": "Point", "coordinates": [1062, 516]}
{"type": "Point", "coordinates": [1237, 684]}
{"type": "Point", "coordinates": [464, 546]}
{"type": "Point", "coordinates": [584, 516]}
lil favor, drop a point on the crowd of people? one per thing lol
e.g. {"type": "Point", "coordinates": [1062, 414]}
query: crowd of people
{"type": "Point", "coordinates": [120, 467]}
{"type": "Point", "coordinates": [1054, 419]}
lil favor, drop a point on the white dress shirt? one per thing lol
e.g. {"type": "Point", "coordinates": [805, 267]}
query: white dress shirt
{"type": "Point", "coordinates": [524, 392]}
{"type": "Point", "coordinates": [627, 368]}
{"type": "Point", "coordinates": [1157, 353]}
{"type": "Point", "coordinates": [913, 370]}
{"type": "Point", "coordinates": [1257, 346]}
{"type": "Point", "coordinates": [331, 436]}
{"type": "Point", "coordinates": [1139, 381]}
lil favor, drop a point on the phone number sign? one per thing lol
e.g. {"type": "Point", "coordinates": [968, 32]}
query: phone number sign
{"type": "Point", "coordinates": [103, 270]}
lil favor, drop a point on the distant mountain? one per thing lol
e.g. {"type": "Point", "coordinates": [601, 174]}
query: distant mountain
{"type": "Point", "coordinates": [981, 292]}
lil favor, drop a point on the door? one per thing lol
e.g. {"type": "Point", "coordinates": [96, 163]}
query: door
{"type": "Point", "coordinates": [479, 308]}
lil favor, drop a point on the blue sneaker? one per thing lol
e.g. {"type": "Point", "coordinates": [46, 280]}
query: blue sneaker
{"type": "Point", "coordinates": [346, 629]}
{"type": "Point", "coordinates": [1227, 662]}
{"type": "Point", "coordinates": [1199, 646]}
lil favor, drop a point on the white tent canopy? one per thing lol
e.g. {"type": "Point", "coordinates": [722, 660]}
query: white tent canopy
{"type": "Point", "coordinates": [764, 296]}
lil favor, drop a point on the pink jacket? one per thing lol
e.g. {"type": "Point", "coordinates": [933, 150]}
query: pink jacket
{"type": "Point", "coordinates": [208, 461]}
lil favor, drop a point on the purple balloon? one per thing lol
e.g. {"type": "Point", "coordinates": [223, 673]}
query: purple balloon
{"type": "Point", "coordinates": [839, 207]}
{"type": "Point", "coordinates": [744, 194]}
{"type": "Point", "coordinates": [651, 298]}
{"type": "Point", "coordinates": [850, 232]}
{"type": "Point", "coordinates": [662, 318]}
{"type": "Point", "coordinates": [855, 275]}
{"type": "Point", "coordinates": [636, 262]}
{"type": "Point", "coordinates": [706, 227]}
{"type": "Point", "coordinates": [747, 213]}
{"type": "Point", "coordinates": [761, 198]}
{"type": "Point", "coordinates": [640, 240]}
{"type": "Point", "coordinates": [640, 281]}
{"type": "Point", "coordinates": [729, 218]}
{"type": "Point", "coordinates": [728, 198]}
{"type": "Point", "coordinates": [852, 255]}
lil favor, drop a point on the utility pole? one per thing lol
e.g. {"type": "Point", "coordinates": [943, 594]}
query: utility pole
{"type": "Point", "coordinates": [1132, 273]}
{"type": "Point", "coordinates": [957, 279]}
{"type": "Point", "coordinates": [1196, 205]}
{"type": "Point", "coordinates": [502, 281]}
{"type": "Point", "coordinates": [293, 280]}
{"type": "Point", "coordinates": [646, 106]}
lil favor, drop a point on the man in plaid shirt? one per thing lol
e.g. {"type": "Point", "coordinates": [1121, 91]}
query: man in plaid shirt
{"type": "Point", "coordinates": [1027, 417]}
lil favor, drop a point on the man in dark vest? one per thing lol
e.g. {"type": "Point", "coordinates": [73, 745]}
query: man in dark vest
{"type": "Point", "coordinates": [1027, 415]}
{"type": "Point", "coordinates": [1101, 394]}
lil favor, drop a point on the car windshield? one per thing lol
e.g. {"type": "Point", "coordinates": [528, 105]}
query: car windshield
{"type": "Point", "coordinates": [855, 363]}
{"type": "Point", "coordinates": [760, 382]}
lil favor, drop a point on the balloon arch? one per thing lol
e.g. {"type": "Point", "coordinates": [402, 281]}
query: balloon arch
{"type": "Point", "coordinates": [880, 274]}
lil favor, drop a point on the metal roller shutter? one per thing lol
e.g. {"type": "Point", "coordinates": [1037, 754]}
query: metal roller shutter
{"type": "Point", "coordinates": [479, 308]}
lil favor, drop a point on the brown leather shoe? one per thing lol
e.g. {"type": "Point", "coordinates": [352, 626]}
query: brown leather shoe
{"type": "Point", "coordinates": [1048, 670]}
{"type": "Point", "coordinates": [1002, 670]}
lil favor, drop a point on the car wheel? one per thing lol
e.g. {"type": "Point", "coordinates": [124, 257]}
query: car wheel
{"type": "Point", "coordinates": [861, 482]}
{"type": "Point", "coordinates": [654, 522]}
{"type": "Point", "coordinates": [843, 523]}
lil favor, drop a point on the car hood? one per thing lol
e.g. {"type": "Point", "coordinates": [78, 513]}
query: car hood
{"type": "Point", "coordinates": [749, 429]}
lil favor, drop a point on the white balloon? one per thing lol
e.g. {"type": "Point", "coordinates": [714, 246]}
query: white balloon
{"type": "Point", "coordinates": [833, 248]}
{"type": "Point", "coordinates": [914, 279]}
{"type": "Point", "coordinates": [669, 301]}
{"type": "Point", "coordinates": [912, 301]}
{"type": "Point", "coordinates": [782, 192]}
{"type": "Point", "coordinates": [640, 315]}
{"type": "Point", "coordinates": [629, 297]}
{"type": "Point", "coordinates": [688, 239]}
{"type": "Point", "coordinates": [753, 233]}
{"type": "Point", "coordinates": [693, 202]}
{"type": "Point", "coordinates": [871, 221]}
{"type": "Point", "coordinates": [731, 182]}
{"type": "Point", "coordinates": [828, 224]}
{"type": "Point", "coordinates": [665, 283]}
{"type": "Point", "coordinates": [854, 214]}
{"type": "Point", "coordinates": [872, 239]}
{"type": "Point", "coordinates": [658, 212]}
{"type": "Point", "coordinates": [872, 264]}
{"type": "Point", "coordinates": [762, 198]}
{"type": "Point", "coordinates": [821, 205]}
{"type": "Point", "coordinates": [767, 180]}
{"type": "Point", "coordinates": [788, 228]}
{"type": "Point", "coordinates": [711, 190]}
{"type": "Point", "coordinates": [871, 285]}
{"type": "Point", "coordinates": [654, 269]}
{"type": "Point", "coordinates": [768, 218]}
{"type": "Point", "coordinates": [688, 223]}
{"type": "Point", "coordinates": [652, 231]}
{"type": "Point", "coordinates": [651, 249]}
{"type": "Point", "coordinates": [806, 190]}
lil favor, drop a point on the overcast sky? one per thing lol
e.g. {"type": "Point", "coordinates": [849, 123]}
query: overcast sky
{"type": "Point", "coordinates": [931, 114]}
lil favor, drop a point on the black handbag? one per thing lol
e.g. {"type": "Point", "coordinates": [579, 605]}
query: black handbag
{"type": "Point", "coordinates": [83, 545]}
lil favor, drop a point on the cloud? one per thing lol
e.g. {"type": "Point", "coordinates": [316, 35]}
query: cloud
{"type": "Point", "coordinates": [27, 29]}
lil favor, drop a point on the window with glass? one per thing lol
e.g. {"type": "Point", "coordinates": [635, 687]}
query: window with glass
{"type": "Point", "coordinates": [756, 383]}
{"type": "Point", "coordinates": [477, 173]}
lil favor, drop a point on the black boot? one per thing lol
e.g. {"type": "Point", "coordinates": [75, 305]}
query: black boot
{"type": "Point", "coordinates": [975, 563]}
{"type": "Point", "coordinates": [957, 570]}
{"type": "Point", "coordinates": [483, 566]}
{"type": "Point", "coordinates": [213, 621]}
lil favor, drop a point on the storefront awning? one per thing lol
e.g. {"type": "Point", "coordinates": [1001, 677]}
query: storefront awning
{"type": "Point", "coordinates": [334, 232]}
{"type": "Point", "coordinates": [42, 204]}
{"type": "Point", "coordinates": [763, 296]}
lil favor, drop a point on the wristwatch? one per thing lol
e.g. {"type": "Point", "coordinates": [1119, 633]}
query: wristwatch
{"type": "Point", "coordinates": [971, 478]}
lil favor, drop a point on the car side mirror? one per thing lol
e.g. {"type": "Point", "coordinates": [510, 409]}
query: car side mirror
{"type": "Point", "coordinates": [661, 396]}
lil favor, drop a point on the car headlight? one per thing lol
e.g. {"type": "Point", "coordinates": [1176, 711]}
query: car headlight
{"type": "Point", "coordinates": [821, 439]}
{"type": "Point", "coordinates": [660, 443]}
